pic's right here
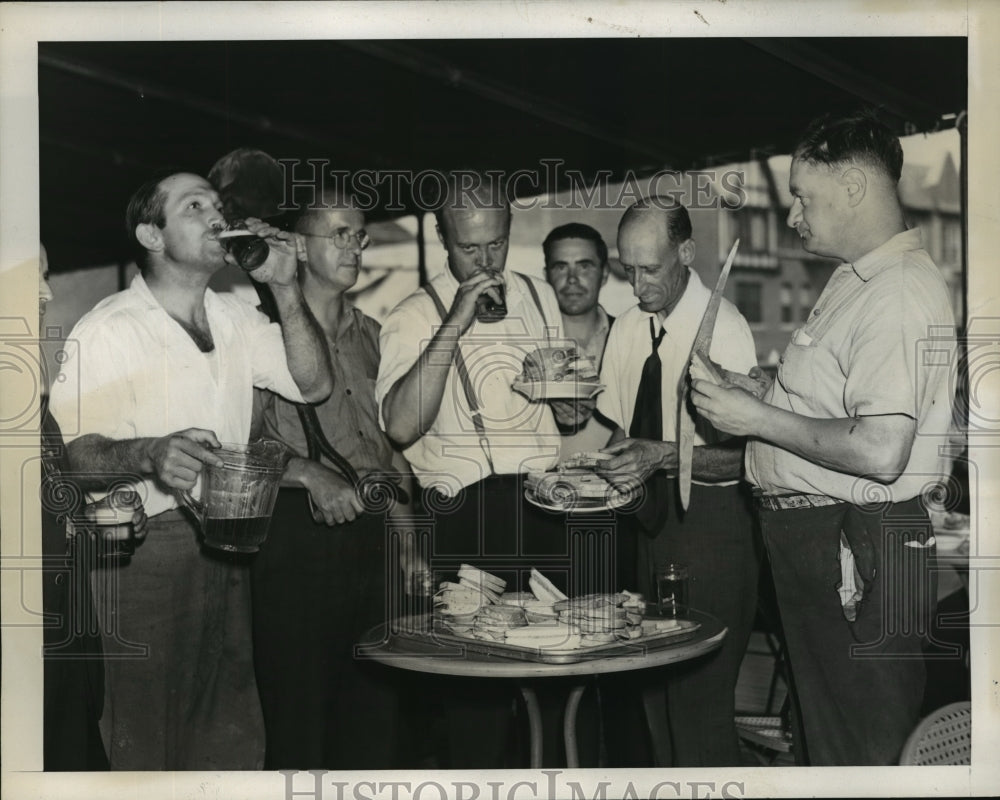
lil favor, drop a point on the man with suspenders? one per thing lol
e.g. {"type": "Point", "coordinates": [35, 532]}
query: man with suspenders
{"type": "Point", "coordinates": [445, 397]}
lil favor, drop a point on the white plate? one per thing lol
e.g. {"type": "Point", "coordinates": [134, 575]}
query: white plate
{"type": "Point", "coordinates": [580, 505]}
{"type": "Point", "coordinates": [557, 390]}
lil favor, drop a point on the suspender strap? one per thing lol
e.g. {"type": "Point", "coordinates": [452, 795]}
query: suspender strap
{"type": "Point", "coordinates": [463, 376]}
{"type": "Point", "coordinates": [538, 303]}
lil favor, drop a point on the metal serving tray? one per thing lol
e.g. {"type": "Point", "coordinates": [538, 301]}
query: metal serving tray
{"type": "Point", "coordinates": [640, 646]}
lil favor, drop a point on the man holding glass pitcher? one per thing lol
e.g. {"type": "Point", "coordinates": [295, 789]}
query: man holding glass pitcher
{"type": "Point", "coordinates": [164, 373]}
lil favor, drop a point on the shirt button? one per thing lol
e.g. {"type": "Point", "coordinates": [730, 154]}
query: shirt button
{"type": "Point", "coordinates": [361, 434]}
{"type": "Point", "coordinates": [815, 312]}
{"type": "Point", "coordinates": [348, 391]}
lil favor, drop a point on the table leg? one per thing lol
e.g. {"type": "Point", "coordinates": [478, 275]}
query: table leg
{"type": "Point", "coordinates": [534, 725]}
{"type": "Point", "coordinates": [569, 726]}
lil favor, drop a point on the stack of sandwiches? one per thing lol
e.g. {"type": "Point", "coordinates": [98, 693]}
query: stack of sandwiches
{"type": "Point", "coordinates": [477, 607]}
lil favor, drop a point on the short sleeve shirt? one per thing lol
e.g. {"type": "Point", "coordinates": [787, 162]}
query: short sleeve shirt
{"type": "Point", "coordinates": [349, 417]}
{"type": "Point", "coordinates": [880, 340]}
{"type": "Point", "coordinates": [520, 435]}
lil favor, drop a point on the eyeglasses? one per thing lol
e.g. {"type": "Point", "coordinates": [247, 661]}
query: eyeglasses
{"type": "Point", "coordinates": [342, 238]}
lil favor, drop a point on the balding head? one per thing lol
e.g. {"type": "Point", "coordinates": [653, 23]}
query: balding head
{"type": "Point", "coordinates": [655, 249]}
{"type": "Point", "coordinates": [664, 212]}
{"type": "Point", "coordinates": [467, 192]}
{"type": "Point", "coordinates": [329, 199]}
{"type": "Point", "coordinates": [474, 223]}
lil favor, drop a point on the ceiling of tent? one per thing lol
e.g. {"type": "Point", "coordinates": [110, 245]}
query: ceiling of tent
{"type": "Point", "coordinates": [111, 113]}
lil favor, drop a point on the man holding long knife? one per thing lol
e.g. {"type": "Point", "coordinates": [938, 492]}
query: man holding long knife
{"type": "Point", "coordinates": [846, 442]}
{"type": "Point", "coordinates": [712, 535]}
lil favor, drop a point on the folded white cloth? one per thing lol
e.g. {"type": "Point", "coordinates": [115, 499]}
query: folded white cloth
{"type": "Point", "coordinates": [850, 587]}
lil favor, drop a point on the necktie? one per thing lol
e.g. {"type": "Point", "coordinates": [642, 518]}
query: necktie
{"type": "Point", "coordinates": [647, 423]}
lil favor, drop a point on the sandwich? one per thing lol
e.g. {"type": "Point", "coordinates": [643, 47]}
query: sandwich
{"type": "Point", "coordinates": [558, 364]}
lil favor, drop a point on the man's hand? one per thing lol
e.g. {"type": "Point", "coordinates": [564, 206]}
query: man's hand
{"type": "Point", "coordinates": [729, 408]}
{"type": "Point", "coordinates": [463, 308]}
{"type": "Point", "coordinates": [570, 413]}
{"type": "Point", "coordinates": [177, 458]}
{"type": "Point", "coordinates": [334, 499]}
{"type": "Point", "coordinates": [634, 460]}
{"type": "Point", "coordinates": [279, 270]}
{"type": "Point", "coordinates": [756, 381]}
{"type": "Point", "coordinates": [127, 504]}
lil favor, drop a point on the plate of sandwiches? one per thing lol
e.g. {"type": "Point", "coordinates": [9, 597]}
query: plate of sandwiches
{"type": "Point", "coordinates": [558, 373]}
{"type": "Point", "coordinates": [574, 485]}
{"type": "Point", "coordinates": [544, 624]}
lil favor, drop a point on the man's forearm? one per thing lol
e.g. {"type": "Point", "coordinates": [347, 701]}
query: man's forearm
{"type": "Point", "coordinates": [413, 403]}
{"type": "Point", "coordinates": [878, 445]}
{"type": "Point", "coordinates": [100, 456]}
{"type": "Point", "coordinates": [718, 462]}
{"type": "Point", "coordinates": [305, 349]}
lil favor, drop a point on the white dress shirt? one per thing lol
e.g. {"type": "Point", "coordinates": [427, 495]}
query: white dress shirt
{"type": "Point", "coordinates": [629, 344]}
{"type": "Point", "coordinates": [134, 372]}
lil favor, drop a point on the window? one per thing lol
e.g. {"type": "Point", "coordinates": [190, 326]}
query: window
{"type": "Point", "coordinates": [805, 301]}
{"type": "Point", "coordinates": [951, 241]}
{"type": "Point", "coordinates": [752, 224]}
{"type": "Point", "coordinates": [748, 301]}
{"type": "Point", "coordinates": [786, 303]}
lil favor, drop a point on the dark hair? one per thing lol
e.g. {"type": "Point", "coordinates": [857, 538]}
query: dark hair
{"type": "Point", "coordinates": [146, 206]}
{"type": "Point", "coordinates": [678, 220]}
{"type": "Point", "coordinates": [576, 230]}
{"type": "Point", "coordinates": [860, 136]}
{"type": "Point", "coordinates": [250, 183]}
{"type": "Point", "coordinates": [465, 187]}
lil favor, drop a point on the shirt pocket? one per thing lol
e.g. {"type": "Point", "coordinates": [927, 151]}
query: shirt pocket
{"type": "Point", "coordinates": [797, 372]}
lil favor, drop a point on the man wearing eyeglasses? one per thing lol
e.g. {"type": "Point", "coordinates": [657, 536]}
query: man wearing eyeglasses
{"type": "Point", "coordinates": [468, 440]}
{"type": "Point", "coordinates": [320, 581]}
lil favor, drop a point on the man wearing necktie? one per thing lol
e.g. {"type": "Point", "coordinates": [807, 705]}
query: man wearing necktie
{"type": "Point", "coordinates": [644, 371]}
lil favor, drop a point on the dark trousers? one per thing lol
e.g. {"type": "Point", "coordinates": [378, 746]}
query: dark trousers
{"type": "Point", "coordinates": [74, 671]}
{"type": "Point", "coordinates": [689, 707]}
{"type": "Point", "coordinates": [180, 691]}
{"type": "Point", "coordinates": [859, 684]}
{"type": "Point", "coordinates": [316, 591]}
{"type": "Point", "coordinates": [490, 525]}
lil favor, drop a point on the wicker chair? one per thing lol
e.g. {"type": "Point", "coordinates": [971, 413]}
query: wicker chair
{"type": "Point", "coordinates": [944, 737]}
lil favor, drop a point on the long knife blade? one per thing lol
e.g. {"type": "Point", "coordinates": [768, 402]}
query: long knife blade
{"type": "Point", "coordinates": [702, 344]}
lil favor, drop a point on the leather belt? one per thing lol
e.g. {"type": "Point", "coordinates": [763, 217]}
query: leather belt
{"type": "Point", "coordinates": [783, 502]}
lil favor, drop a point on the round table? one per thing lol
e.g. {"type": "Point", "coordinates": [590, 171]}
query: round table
{"type": "Point", "coordinates": [401, 644]}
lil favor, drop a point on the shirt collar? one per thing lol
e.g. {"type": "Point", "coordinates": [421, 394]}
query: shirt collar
{"type": "Point", "coordinates": [602, 324]}
{"type": "Point", "coordinates": [688, 311]}
{"type": "Point", "coordinates": [141, 289]}
{"type": "Point", "coordinates": [869, 265]}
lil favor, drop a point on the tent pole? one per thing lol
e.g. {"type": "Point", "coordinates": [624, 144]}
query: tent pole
{"type": "Point", "coordinates": [421, 250]}
{"type": "Point", "coordinates": [962, 123]}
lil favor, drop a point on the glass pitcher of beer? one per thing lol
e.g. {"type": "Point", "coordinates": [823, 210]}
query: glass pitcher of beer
{"type": "Point", "coordinates": [237, 499]}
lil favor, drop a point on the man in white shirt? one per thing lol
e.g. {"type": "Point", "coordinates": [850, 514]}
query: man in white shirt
{"type": "Point", "coordinates": [576, 267]}
{"type": "Point", "coordinates": [470, 439]}
{"type": "Point", "coordinates": [164, 374]}
{"type": "Point", "coordinates": [713, 538]}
